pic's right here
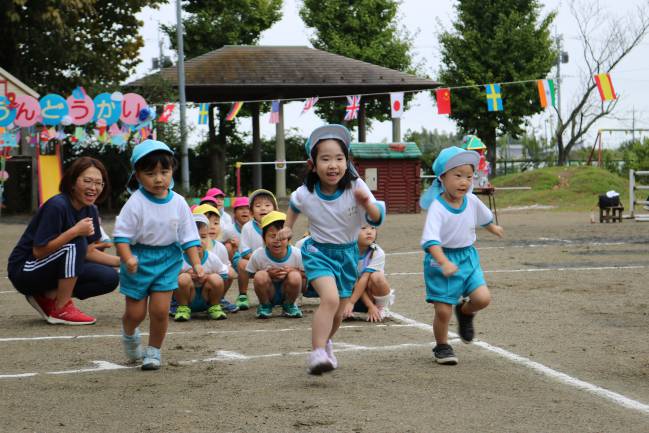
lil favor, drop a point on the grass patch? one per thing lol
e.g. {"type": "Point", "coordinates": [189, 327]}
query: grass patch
{"type": "Point", "coordinates": [567, 188]}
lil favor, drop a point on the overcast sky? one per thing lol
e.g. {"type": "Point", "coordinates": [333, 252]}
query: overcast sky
{"type": "Point", "coordinates": [422, 19]}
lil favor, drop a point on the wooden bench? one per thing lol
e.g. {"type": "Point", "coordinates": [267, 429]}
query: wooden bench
{"type": "Point", "coordinates": [610, 214]}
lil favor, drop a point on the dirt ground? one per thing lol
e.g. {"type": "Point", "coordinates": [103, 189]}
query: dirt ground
{"type": "Point", "coordinates": [567, 328]}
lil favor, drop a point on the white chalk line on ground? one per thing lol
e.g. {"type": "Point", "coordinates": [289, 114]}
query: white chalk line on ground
{"type": "Point", "coordinates": [506, 271]}
{"type": "Point", "coordinates": [563, 378]}
{"type": "Point", "coordinates": [241, 331]}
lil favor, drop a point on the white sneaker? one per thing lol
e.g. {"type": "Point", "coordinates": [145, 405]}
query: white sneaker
{"type": "Point", "coordinates": [329, 348]}
{"type": "Point", "coordinates": [384, 312]}
{"type": "Point", "coordinates": [319, 362]}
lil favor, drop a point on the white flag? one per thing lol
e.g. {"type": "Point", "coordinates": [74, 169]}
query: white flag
{"type": "Point", "coordinates": [396, 103]}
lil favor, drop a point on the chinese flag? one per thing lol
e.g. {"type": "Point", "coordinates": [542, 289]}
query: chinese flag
{"type": "Point", "coordinates": [443, 101]}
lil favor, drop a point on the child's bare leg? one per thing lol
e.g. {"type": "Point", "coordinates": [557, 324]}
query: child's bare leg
{"type": "Point", "coordinates": [443, 313]}
{"type": "Point", "coordinates": [158, 317]}
{"type": "Point", "coordinates": [338, 318]}
{"type": "Point", "coordinates": [232, 275]}
{"type": "Point", "coordinates": [243, 277]}
{"type": "Point", "coordinates": [213, 289]}
{"type": "Point", "coordinates": [134, 314]}
{"type": "Point", "coordinates": [324, 316]}
{"type": "Point", "coordinates": [263, 287]}
{"type": "Point", "coordinates": [292, 286]}
{"type": "Point", "coordinates": [184, 292]}
{"type": "Point", "coordinates": [378, 285]}
{"type": "Point", "coordinates": [480, 298]}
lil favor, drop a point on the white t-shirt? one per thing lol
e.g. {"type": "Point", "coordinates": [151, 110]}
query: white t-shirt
{"type": "Point", "coordinates": [262, 260]}
{"type": "Point", "coordinates": [251, 238]}
{"type": "Point", "coordinates": [336, 218]}
{"type": "Point", "coordinates": [454, 228]}
{"type": "Point", "coordinates": [211, 265]}
{"type": "Point", "coordinates": [226, 221]}
{"type": "Point", "coordinates": [219, 250]}
{"type": "Point", "coordinates": [298, 244]}
{"type": "Point", "coordinates": [376, 263]}
{"type": "Point", "coordinates": [148, 220]}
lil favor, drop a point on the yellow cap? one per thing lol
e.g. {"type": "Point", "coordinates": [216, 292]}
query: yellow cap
{"type": "Point", "coordinates": [205, 208]}
{"type": "Point", "coordinates": [272, 217]}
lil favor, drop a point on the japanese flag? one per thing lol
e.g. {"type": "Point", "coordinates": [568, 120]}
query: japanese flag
{"type": "Point", "coordinates": [396, 103]}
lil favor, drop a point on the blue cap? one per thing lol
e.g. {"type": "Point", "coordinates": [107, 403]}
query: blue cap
{"type": "Point", "coordinates": [146, 147]}
{"type": "Point", "coordinates": [325, 132]}
{"type": "Point", "coordinates": [447, 159]}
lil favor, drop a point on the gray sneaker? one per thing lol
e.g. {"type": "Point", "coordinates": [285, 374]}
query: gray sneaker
{"type": "Point", "coordinates": [444, 354]}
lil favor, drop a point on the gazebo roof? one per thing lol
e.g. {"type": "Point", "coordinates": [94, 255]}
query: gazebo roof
{"type": "Point", "coordinates": [252, 73]}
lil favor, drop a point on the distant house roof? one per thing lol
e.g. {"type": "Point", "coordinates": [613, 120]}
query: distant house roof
{"type": "Point", "coordinates": [14, 85]}
{"type": "Point", "coordinates": [385, 151]}
{"type": "Point", "coordinates": [249, 73]}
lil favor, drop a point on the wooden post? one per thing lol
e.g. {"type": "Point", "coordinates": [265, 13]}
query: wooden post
{"type": "Point", "coordinates": [361, 122]}
{"type": "Point", "coordinates": [396, 130]}
{"type": "Point", "coordinates": [280, 155]}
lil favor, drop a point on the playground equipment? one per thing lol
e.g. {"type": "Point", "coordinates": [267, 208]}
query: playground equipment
{"type": "Point", "coordinates": [633, 201]}
{"type": "Point", "coordinates": [599, 141]}
{"type": "Point", "coordinates": [50, 171]}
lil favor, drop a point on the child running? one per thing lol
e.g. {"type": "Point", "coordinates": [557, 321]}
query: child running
{"type": "Point", "coordinates": [195, 294]}
{"type": "Point", "coordinates": [276, 270]}
{"type": "Point", "coordinates": [451, 264]}
{"type": "Point", "coordinates": [372, 293]}
{"type": "Point", "coordinates": [337, 203]}
{"type": "Point", "coordinates": [262, 202]}
{"type": "Point", "coordinates": [151, 231]}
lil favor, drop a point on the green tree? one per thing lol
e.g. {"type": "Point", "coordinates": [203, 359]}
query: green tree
{"type": "Point", "coordinates": [494, 42]}
{"type": "Point", "coordinates": [210, 25]}
{"type": "Point", "coordinates": [365, 30]}
{"type": "Point", "coordinates": [56, 45]}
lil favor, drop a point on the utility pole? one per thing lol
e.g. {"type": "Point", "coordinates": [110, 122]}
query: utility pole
{"type": "Point", "coordinates": [558, 39]}
{"type": "Point", "coordinates": [184, 153]}
{"type": "Point", "coordinates": [633, 125]}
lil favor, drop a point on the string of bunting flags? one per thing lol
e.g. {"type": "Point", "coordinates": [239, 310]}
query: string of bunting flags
{"type": "Point", "coordinates": [119, 117]}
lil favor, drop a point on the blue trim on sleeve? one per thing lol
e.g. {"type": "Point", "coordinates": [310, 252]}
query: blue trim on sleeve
{"type": "Point", "coordinates": [489, 223]}
{"type": "Point", "coordinates": [293, 207]}
{"type": "Point", "coordinates": [243, 254]}
{"type": "Point", "coordinates": [121, 240]}
{"type": "Point", "coordinates": [190, 244]}
{"type": "Point", "coordinates": [429, 244]}
{"type": "Point", "coordinates": [368, 271]}
{"type": "Point", "coordinates": [381, 218]}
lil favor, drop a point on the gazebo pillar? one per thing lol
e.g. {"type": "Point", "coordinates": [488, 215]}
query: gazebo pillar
{"type": "Point", "coordinates": [361, 122]}
{"type": "Point", "coordinates": [256, 147]}
{"type": "Point", "coordinates": [396, 130]}
{"type": "Point", "coordinates": [280, 155]}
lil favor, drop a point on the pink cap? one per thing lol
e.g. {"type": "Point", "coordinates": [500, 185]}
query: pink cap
{"type": "Point", "coordinates": [213, 192]}
{"type": "Point", "coordinates": [240, 202]}
{"type": "Point", "coordinates": [209, 198]}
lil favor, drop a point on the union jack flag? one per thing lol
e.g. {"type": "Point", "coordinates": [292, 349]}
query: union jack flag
{"type": "Point", "coordinates": [308, 104]}
{"type": "Point", "coordinates": [274, 112]}
{"type": "Point", "coordinates": [353, 104]}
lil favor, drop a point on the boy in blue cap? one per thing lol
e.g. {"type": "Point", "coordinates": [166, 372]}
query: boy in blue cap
{"type": "Point", "coordinates": [451, 265]}
{"type": "Point", "coordinates": [151, 232]}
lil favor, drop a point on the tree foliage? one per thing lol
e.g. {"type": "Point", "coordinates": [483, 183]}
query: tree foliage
{"type": "Point", "coordinates": [494, 42]}
{"type": "Point", "coordinates": [56, 45]}
{"type": "Point", "coordinates": [365, 30]}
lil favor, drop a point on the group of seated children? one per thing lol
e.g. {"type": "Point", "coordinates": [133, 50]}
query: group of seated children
{"type": "Point", "coordinates": [247, 248]}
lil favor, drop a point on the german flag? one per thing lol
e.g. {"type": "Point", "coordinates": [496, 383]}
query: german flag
{"type": "Point", "coordinates": [605, 87]}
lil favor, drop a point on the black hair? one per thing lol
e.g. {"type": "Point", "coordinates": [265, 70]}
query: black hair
{"type": "Point", "coordinates": [200, 224]}
{"type": "Point", "coordinates": [263, 195]}
{"type": "Point", "coordinates": [279, 224]}
{"type": "Point", "coordinates": [311, 177]}
{"type": "Point", "coordinates": [151, 161]}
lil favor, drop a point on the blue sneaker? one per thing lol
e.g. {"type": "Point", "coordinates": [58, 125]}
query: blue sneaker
{"type": "Point", "coordinates": [173, 306]}
{"type": "Point", "coordinates": [132, 345]}
{"type": "Point", "coordinates": [151, 358]}
{"type": "Point", "coordinates": [291, 310]}
{"type": "Point", "coordinates": [228, 306]}
{"type": "Point", "coordinates": [264, 311]}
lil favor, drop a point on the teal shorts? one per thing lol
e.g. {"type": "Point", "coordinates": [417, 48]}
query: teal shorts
{"type": "Point", "coordinates": [334, 260]}
{"type": "Point", "coordinates": [449, 290]}
{"type": "Point", "coordinates": [157, 271]}
{"type": "Point", "coordinates": [199, 303]}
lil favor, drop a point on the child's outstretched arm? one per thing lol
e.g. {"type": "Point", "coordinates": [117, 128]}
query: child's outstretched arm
{"type": "Point", "coordinates": [371, 209]}
{"type": "Point", "coordinates": [448, 267]}
{"type": "Point", "coordinates": [192, 253]}
{"type": "Point", "coordinates": [287, 231]}
{"type": "Point", "coordinates": [495, 229]}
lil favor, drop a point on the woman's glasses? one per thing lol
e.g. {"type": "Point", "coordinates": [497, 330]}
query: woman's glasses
{"type": "Point", "coordinates": [90, 182]}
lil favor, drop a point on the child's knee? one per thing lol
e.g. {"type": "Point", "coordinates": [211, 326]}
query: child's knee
{"type": "Point", "coordinates": [214, 281]}
{"type": "Point", "coordinates": [294, 279]}
{"type": "Point", "coordinates": [261, 279]}
{"type": "Point", "coordinates": [329, 300]}
{"type": "Point", "coordinates": [443, 312]}
{"type": "Point", "coordinates": [242, 266]}
{"type": "Point", "coordinates": [378, 285]}
{"type": "Point", "coordinates": [184, 281]}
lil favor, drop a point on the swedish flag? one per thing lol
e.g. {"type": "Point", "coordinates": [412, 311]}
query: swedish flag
{"type": "Point", "coordinates": [494, 97]}
{"type": "Point", "coordinates": [203, 113]}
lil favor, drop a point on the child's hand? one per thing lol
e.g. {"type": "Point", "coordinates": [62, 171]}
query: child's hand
{"type": "Point", "coordinates": [449, 268]}
{"type": "Point", "coordinates": [200, 273]}
{"type": "Point", "coordinates": [131, 264]}
{"type": "Point", "coordinates": [496, 230]}
{"type": "Point", "coordinates": [361, 196]}
{"type": "Point", "coordinates": [276, 274]}
{"type": "Point", "coordinates": [234, 242]}
{"type": "Point", "coordinates": [348, 310]}
{"type": "Point", "coordinates": [285, 233]}
{"type": "Point", "coordinates": [373, 314]}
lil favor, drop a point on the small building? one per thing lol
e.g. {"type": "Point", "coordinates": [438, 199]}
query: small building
{"type": "Point", "coordinates": [391, 170]}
